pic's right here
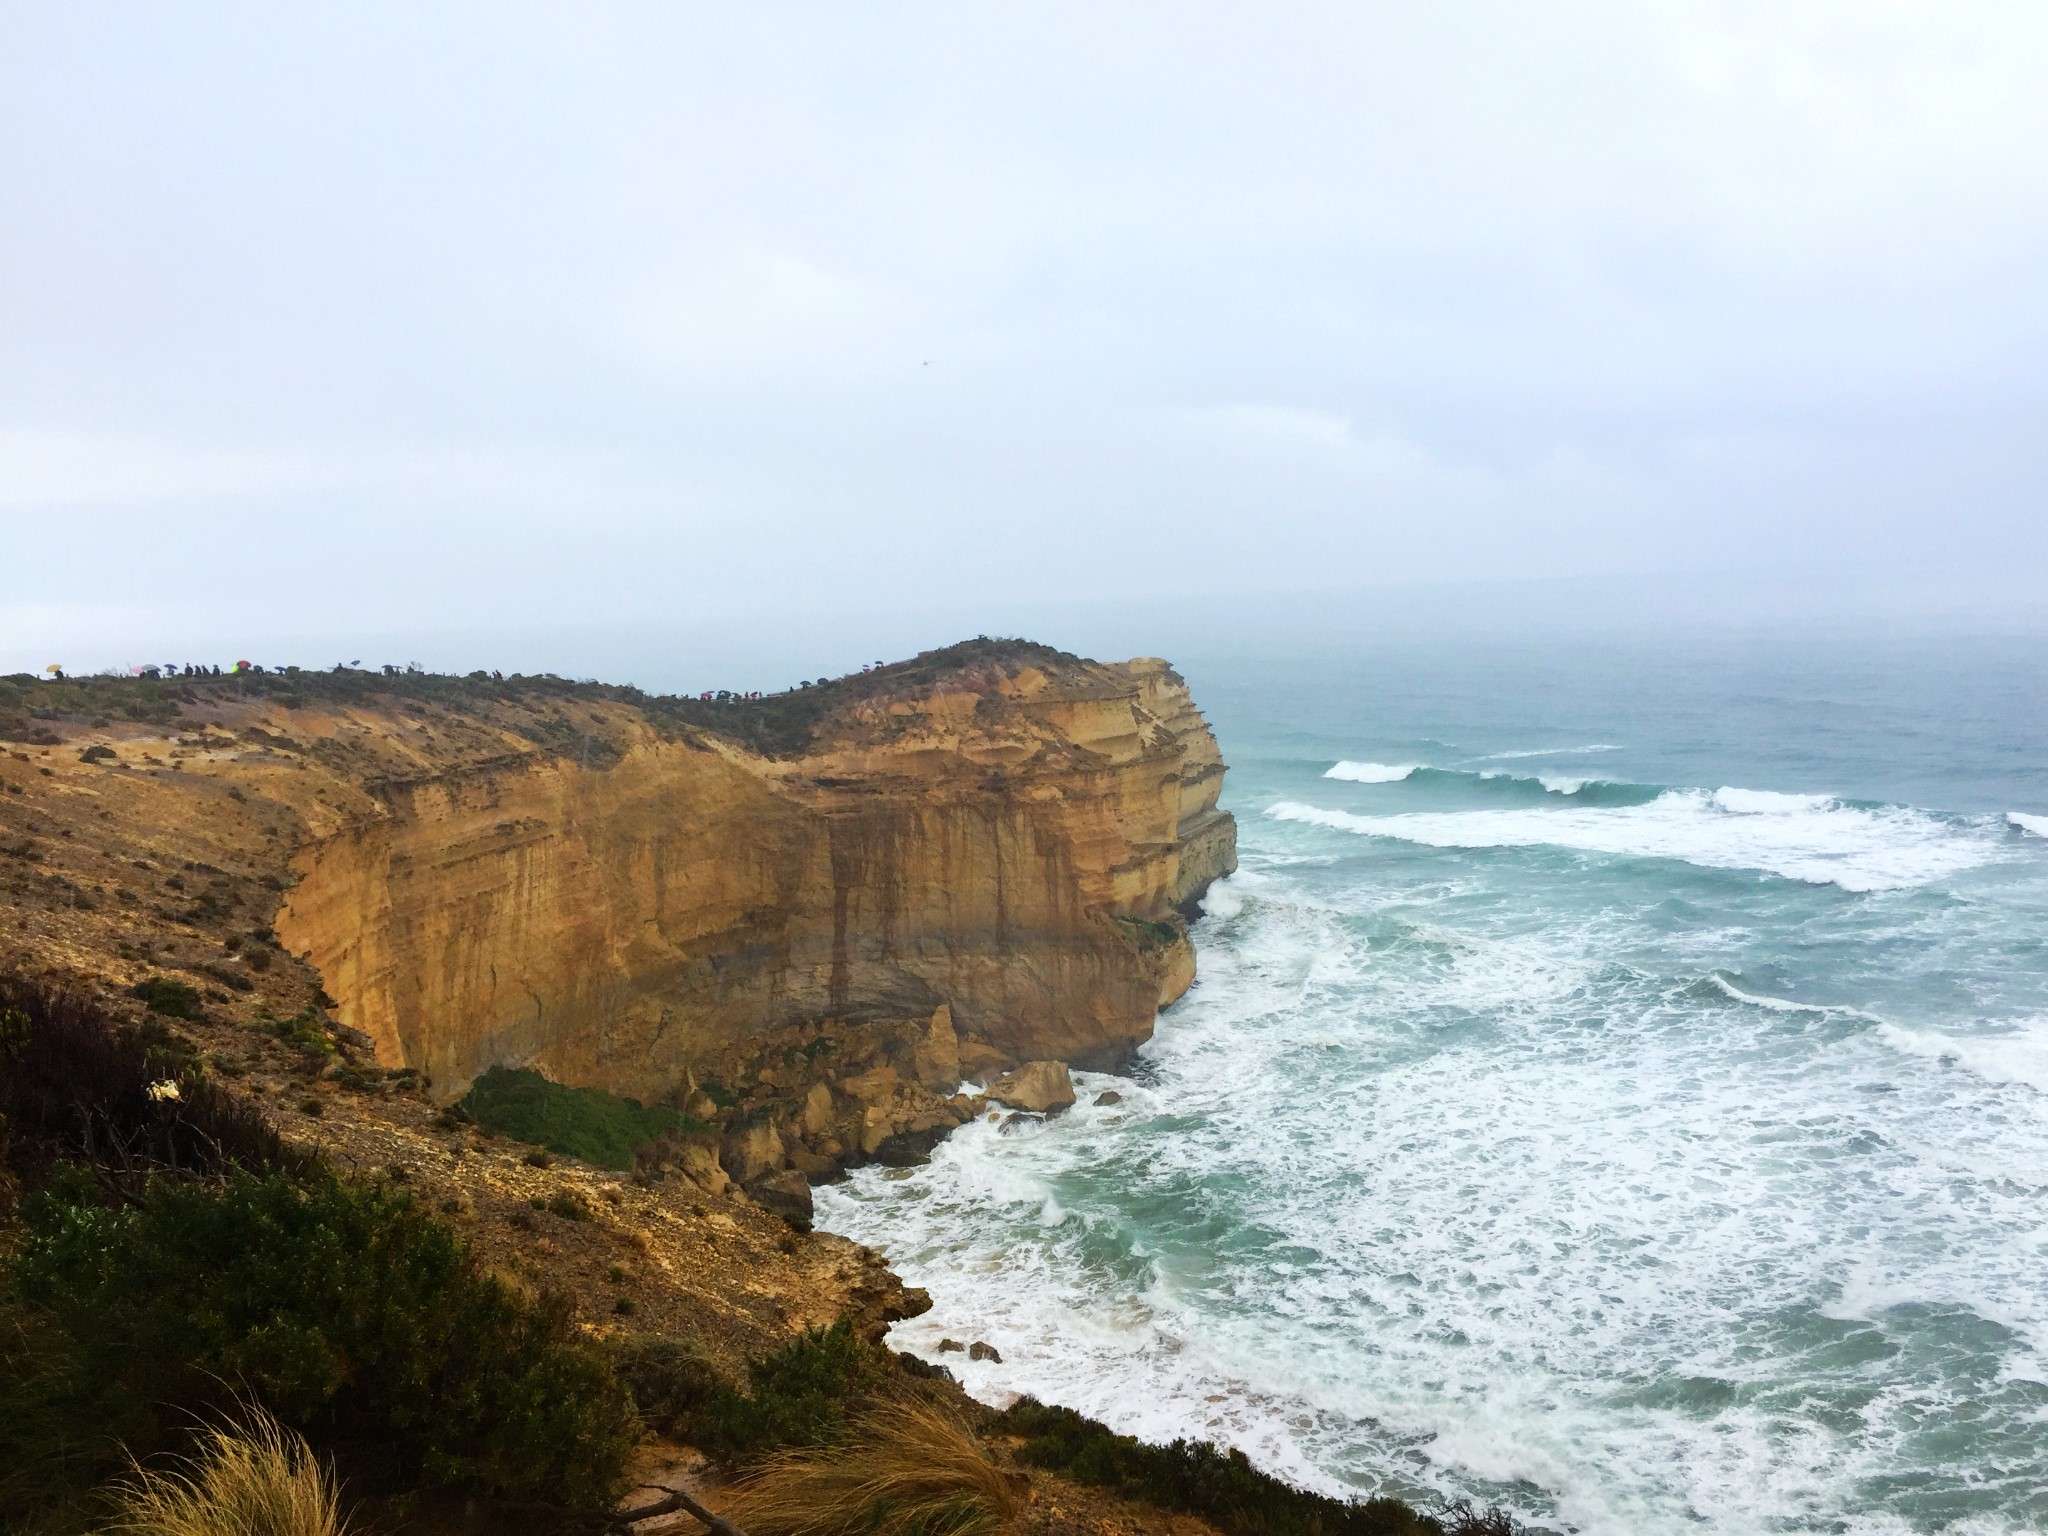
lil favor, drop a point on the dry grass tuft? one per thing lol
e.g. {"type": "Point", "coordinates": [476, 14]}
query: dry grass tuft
{"type": "Point", "coordinates": [253, 1479]}
{"type": "Point", "coordinates": [905, 1467]}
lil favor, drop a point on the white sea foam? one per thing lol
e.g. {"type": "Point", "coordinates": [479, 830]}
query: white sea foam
{"type": "Point", "coordinates": [1455, 1178]}
{"type": "Point", "coordinates": [1802, 837]}
{"type": "Point", "coordinates": [1767, 802]}
{"type": "Point", "coordinates": [1452, 1263]}
{"type": "Point", "coordinates": [2016, 1053]}
{"type": "Point", "coordinates": [1223, 900]}
{"type": "Point", "coordinates": [1729, 990]}
{"type": "Point", "coordinates": [2037, 825]}
{"type": "Point", "coordinates": [1372, 773]}
{"type": "Point", "coordinates": [1560, 784]}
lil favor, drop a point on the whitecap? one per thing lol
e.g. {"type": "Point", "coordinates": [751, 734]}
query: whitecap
{"type": "Point", "coordinates": [1729, 990]}
{"type": "Point", "coordinates": [1810, 838]}
{"type": "Point", "coordinates": [1598, 746]}
{"type": "Point", "coordinates": [1372, 773]}
{"type": "Point", "coordinates": [2037, 825]}
{"type": "Point", "coordinates": [1766, 802]}
{"type": "Point", "coordinates": [1559, 784]}
{"type": "Point", "coordinates": [2018, 1055]}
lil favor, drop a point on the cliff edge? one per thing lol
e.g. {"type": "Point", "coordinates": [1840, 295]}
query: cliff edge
{"type": "Point", "coordinates": [801, 919]}
{"type": "Point", "coordinates": [1001, 830]}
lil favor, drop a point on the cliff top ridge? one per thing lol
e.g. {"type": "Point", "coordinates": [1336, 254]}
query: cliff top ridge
{"type": "Point", "coordinates": [778, 725]}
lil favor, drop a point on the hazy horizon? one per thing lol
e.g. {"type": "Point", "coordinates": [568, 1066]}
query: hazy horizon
{"type": "Point", "coordinates": [334, 329]}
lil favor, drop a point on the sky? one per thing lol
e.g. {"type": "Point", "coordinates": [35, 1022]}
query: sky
{"type": "Point", "coordinates": [409, 326]}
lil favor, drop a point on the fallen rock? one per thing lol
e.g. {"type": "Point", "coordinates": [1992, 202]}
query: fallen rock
{"type": "Point", "coordinates": [812, 1165]}
{"type": "Point", "coordinates": [951, 1346]}
{"type": "Point", "coordinates": [785, 1192]}
{"type": "Point", "coordinates": [978, 1059]}
{"type": "Point", "coordinates": [938, 1054]}
{"type": "Point", "coordinates": [751, 1149]}
{"type": "Point", "coordinates": [699, 1164]}
{"type": "Point", "coordinates": [1041, 1087]}
{"type": "Point", "coordinates": [980, 1351]}
{"type": "Point", "coordinates": [817, 1111]}
{"type": "Point", "coordinates": [1109, 1096]}
{"type": "Point", "coordinates": [911, 1148]}
{"type": "Point", "coordinates": [873, 1086]}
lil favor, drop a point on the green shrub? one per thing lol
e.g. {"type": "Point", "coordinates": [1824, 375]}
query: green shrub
{"type": "Point", "coordinates": [168, 996]}
{"type": "Point", "coordinates": [1197, 1478]}
{"type": "Point", "coordinates": [569, 1205]}
{"type": "Point", "coordinates": [801, 1395]}
{"type": "Point", "coordinates": [670, 1382]}
{"type": "Point", "coordinates": [305, 1030]}
{"type": "Point", "coordinates": [585, 1123]}
{"type": "Point", "coordinates": [1147, 936]}
{"type": "Point", "coordinates": [341, 1307]}
{"type": "Point", "coordinates": [60, 1433]}
{"type": "Point", "coordinates": [73, 1086]}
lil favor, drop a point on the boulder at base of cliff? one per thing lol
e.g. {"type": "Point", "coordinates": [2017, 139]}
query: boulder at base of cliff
{"type": "Point", "coordinates": [1039, 1086]}
{"type": "Point", "coordinates": [785, 1192]}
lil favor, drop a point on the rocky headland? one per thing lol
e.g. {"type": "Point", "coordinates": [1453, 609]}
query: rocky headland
{"type": "Point", "coordinates": [735, 944]}
{"type": "Point", "coordinates": [805, 921]}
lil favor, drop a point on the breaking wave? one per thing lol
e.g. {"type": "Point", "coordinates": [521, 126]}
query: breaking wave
{"type": "Point", "coordinates": [2038, 825]}
{"type": "Point", "coordinates": [1721, 984]}
{"type": "Point", "coordinates": [1811, 838]}
{"type": "Point", "coordinates": [1372, 773]}
{"type": "Point", "coordinates": [2017, 1054]}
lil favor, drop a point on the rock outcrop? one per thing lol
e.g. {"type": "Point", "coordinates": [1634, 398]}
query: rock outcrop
{"type": "Point", "coordinates": [805, 920]}
{"type": "Point", "coordinates": [1003, 832]}
{"type": "Point", "coordinates": [1042, 1087]}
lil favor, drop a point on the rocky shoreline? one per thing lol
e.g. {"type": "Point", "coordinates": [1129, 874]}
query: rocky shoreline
{"type": "Point", "coordinates": [810, 1104]}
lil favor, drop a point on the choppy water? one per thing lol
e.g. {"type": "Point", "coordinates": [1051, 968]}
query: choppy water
{"type": "Point", "coordinates": [1617, 1087]}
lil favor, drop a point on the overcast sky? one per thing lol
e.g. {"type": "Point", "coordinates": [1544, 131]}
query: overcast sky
{"type": "Point", "coordinates": [358, 319]}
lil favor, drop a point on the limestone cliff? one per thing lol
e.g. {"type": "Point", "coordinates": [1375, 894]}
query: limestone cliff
{"type": "Point", "coordinates": [1001, 830]}
{"type": "Point", "coordinates": [803, 919]}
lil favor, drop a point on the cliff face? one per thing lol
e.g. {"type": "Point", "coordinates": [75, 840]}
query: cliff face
{"type": "Point", "coordinates": [1012, 838]}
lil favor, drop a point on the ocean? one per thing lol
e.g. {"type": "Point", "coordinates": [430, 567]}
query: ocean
{"type": "Point", "coordinates": [1616, 1089]}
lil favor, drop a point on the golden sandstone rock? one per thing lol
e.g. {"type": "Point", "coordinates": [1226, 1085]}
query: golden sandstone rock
{"type": "Point", "coordinates": [1042, 1087]}
{"type": "Point", "coordinates": [1003, 853]}
{"type": "Point", "coordinates": [806, 921]}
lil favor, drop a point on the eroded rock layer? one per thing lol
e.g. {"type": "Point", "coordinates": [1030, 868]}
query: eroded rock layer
{"type": "Point", "coordinates": [1003, 832]}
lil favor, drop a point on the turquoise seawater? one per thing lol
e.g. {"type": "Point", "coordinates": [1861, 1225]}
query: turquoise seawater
{"type": "Point", "coordinates": [1616, 1088]}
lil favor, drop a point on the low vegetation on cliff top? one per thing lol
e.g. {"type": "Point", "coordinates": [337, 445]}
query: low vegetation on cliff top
{"type": "Point", "coordinates": [774, 725]}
